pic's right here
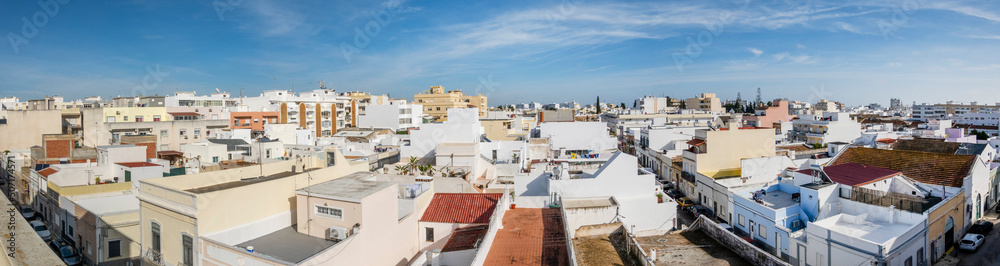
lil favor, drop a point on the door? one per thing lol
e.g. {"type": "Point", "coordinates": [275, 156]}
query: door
{"type": "Point", "coordinates": [777, 245]}
{"type": "Point", "coordinates": [949, 233]}
{"type": "Point", "coordinates": [800, 254]}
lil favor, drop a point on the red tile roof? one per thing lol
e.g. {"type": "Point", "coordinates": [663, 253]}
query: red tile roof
{"type": "Point", "coordinates": [530, 237]}
{"type": "Point", "coordinates": [925, 167]}
{"type": "Point", "coordinates": [138, 164]}
{"type": "Point", "coordinates": [465, 238]}
{"type": "Point", "coordinates": [47, 171]}
{"type": "Point", "coordinates": [855, 174]}
{"type": "Point", "coordinates": [887, 141]}
{"type": "Point", "coordinates": [696, 142]}
{"type": "Point", "coordinates": [464, 208]}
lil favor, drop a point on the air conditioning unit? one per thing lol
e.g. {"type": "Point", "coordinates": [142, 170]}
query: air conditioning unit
{"type": "Point", "coordinates": [336, 233]}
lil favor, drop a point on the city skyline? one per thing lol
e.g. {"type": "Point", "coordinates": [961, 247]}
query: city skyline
{"type": "Point", "coordinates": [554, 51]}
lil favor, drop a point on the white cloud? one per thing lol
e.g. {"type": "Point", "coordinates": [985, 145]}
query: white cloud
{"type": "Point", "coordinates": [780, 56]}
{"type": "Point", "coordinates": [986, 37]}
{"type": "Point", "coordinates": [756, 52]}
{"type": "Point", "coordinates": [800, 46]}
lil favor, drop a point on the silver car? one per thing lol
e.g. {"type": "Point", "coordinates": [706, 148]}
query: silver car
{"type": "Point", "coordinates": [42, 231]}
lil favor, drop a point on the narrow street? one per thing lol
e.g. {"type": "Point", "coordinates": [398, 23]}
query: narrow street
{"type": "Point", "coordinates": [987, 254]}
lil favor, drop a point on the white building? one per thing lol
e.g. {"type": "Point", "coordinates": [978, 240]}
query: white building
{"type": "Point", "coordinates": [829, 127]}
{"type": "Point", "coordinates": [631, 189]}
{"type": "Point", "coordinates": [395, 114]}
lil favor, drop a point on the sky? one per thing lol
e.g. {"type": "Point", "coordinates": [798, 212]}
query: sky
{"type": "Point", "coordinates": [856, 52]}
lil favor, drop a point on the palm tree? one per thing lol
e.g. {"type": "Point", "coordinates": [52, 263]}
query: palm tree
{"type": "Point", "coordinates": [430, 170]}
{"type": "Point", "coordinates": [402, 169]}
{"type": "Point", "coordinates": [413, 163]}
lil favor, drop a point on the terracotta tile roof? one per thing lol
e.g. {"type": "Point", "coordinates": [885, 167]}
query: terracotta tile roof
{"type": "Point", "coordinates": [464, 208]}
{"type": "Point", "coordinates": [530, 237]}
{"type": "Point", "coordinates": [137, 164]}
{"type": "Point", "coordinates": [927, 145]}
{"type": "Point", "coordinates": [47, 171]}
{"type": "Point", "coordinates": [925, 167]}
{"type": "Point", "coordinates": [465, 238]}
{"type": "Point", "coordinates": [855, 174]}
{"type": "Point", "coordinates": [887, 140]}
{"type": "Point", "coordinates": [696, 142]}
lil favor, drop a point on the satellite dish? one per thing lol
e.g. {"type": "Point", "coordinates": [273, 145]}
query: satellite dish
{"type": "Point", "coordinates": [217, 90]}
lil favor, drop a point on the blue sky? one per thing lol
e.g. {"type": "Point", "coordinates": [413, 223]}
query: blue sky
{"type": "Point", "coordinates": [857, 52]}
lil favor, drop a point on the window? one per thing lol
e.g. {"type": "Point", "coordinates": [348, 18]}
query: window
{"type": "Point", "coordinates": [215, 116]}
{"type": "Point", "coordinates": [762, 232]}
{"type": "Point", "coordinates": [215, 159]}
{"type": "Point", "coordinates": [125, 118]}
{"type": "Point", "coordinates": [330, 212]}
{"type": "Point", "coordinates": [138, 118]}
{"type": "Point", "coordinates": [114, 248]}
{"type": "Point", "coordinates": [156, 118]}
{"type": "Point", "coordinates": [256, 120]}
{"type": "Point", "coordinates": [430, 233]}
{"type": "Point", "coordinates": [268, 154]}
{"type": "Point", "coordinates": [183, 132]}
{"type": "Point", "coordinates": [197, 132]}
{"type": "Point", "coordinates": [908, 262]}
{"type": "Point", "coordinates": [164, 133]}
{"type": "Point", "coordinates": [742, 220]}
{"type": "Point", "coordinates": [438, 108]}
{"type": "Point", "coordinates": [331, 160]}
{"type": "Point", "coordinates": [156, 236]}
{"type": "Point", "coordinates": [187, 245]}
{"type": "Point", "coordinates": [111, 119]}
{"type": "Point", "coordinates": [128, 176]}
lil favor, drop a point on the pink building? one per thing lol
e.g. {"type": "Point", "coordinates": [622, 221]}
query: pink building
{"type": "Point", "coordinates": [765, 117]}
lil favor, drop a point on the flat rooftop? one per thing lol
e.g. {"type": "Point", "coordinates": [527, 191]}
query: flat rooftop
{"type": "Point", "coordinates": [240, 183]}
{"type": "Point", "coordinates": [876, 232]}
{"type": "Point", "coordinates": [588, 202]}
{"type": "Point", "coordinates": [113, 204]}
{"type": "Point", "coordinates": [530, 237]}
{"type": "Point", "coordinates": [775, 199]}
{"type": "Point", "coordinates": [348, 188]}
{"type": "Point", "coordinates": [288, 245]}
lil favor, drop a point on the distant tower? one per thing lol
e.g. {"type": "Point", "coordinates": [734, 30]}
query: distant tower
{"type": "Point", "coordinates": [759, 102]}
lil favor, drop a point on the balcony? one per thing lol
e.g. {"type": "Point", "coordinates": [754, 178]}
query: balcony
{"type": "Point", "coordinates": [153, 257]}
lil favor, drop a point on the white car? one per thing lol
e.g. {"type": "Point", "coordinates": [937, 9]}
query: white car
{"type": "Point", "coordinates": [971, 242]}
{"type": "Point", "coordinates": [42, 231]}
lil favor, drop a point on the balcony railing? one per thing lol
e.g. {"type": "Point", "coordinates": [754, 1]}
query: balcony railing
{"type": "Point", "coordinates": [153, 257]}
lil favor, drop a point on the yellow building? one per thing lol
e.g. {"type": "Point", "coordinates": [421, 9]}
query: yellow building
{"type": "Point", "coordinates": [177, 211]}
{"type": "Point", "coordinates": [135, 114]}
{"type": "Point", "coordinates": [437, 101]}
{"type": "Point", "coordinates": [705, 102]}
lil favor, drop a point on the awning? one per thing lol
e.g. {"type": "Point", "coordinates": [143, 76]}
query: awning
{"type": "Point", "coordinates": [169, 153]}
{"type": "Point", "coordinates": [185, 114]}
{"type": "Point", "coordinates": [696, 142]}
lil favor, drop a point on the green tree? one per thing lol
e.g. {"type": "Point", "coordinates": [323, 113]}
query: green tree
{"type": "Point", "coordinates": [623, 105]}
{"type": "Point", "coordinates": [598, 104]}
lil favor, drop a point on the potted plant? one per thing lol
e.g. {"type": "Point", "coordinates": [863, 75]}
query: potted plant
{"type": "Point", "coordinates": [659, 197]}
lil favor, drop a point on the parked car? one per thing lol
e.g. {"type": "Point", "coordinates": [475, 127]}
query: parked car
{"type": "Point", "coordinates": [673, 194]}
{"type": "Point", "coordinates": [27, 212]}
{"type": "Point", "coordinates": [699, 210]}
{"type": "Point", "coordinates": [685, 202]}
{"type": "Point", "coordinates": [971, 242]}
{"type": "Point", "coordinates": [42, 231]}
{"type": "Point", "coordinates": [67, 252]}
{"type": "Point", "coordinates": [981, 227]}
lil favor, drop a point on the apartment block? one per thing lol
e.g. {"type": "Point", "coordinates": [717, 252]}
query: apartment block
{"type": "Point", "coordinates": [436, 101]}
